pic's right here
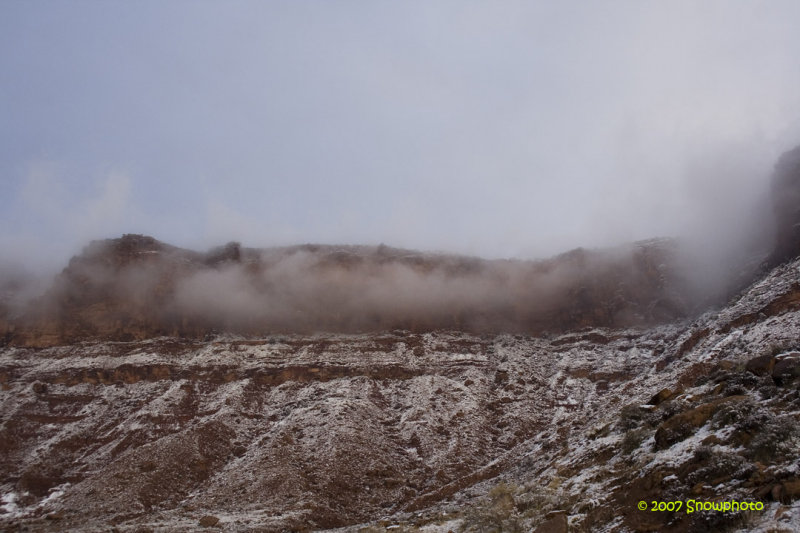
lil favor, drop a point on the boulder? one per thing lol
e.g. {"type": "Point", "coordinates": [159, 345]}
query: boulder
{"type": "Point", "coordinates": [556, 522]}
{"type": "Point", "coordinates": [761, 365]}
{"type": "Point", "coordinates": [664, 395]}
{"type": "Point", "coordinates": [791, 489]}
{"type": "Point", "coordinates": [209, 521]}
{"type": "Point", "coordinates": [787, 368]}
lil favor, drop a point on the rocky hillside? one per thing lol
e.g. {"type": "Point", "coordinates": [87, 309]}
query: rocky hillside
{"type": "Point", "coordinates": [425, 431]}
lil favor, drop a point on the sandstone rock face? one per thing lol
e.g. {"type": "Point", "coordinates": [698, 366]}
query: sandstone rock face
{"type": "Point", "coordinates": [663, 395]}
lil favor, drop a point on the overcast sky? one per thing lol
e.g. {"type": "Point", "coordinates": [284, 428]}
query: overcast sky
{"type": "Point", "coordinates": [504, 129]}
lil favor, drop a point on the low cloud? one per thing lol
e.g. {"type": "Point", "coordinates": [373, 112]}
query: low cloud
{"type": "Point", "coordinates": [136, 287]}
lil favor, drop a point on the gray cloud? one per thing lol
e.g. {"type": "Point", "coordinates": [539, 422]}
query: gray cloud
{"type": "Point", "coordinates": [500, 129]}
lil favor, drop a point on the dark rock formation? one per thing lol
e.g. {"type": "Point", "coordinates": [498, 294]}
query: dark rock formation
{"type": "Point", "coordinates": [230, 253]}
{"type": "Point", "coordinates": [786, 204]}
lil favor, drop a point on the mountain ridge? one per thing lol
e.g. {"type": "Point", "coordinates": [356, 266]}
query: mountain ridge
{"type": "Point", "coordinates": [137, 287]}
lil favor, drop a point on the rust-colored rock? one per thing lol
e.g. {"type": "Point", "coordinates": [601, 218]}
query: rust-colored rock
{"type": "Point", "coordinates": [556, 522]}
{"type": "Point", "coordinates": [664, 395]}
{"type": "Point", "coordinates": [209, 521]}
{"type": "Point", "coordinates": [791, 489]}
{"type": "Point", "coordinates": [761, 365]}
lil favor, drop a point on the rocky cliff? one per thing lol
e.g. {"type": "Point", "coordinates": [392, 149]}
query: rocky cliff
{"type": "Point", "coordinates": [136, 287]}
{"type": "Point", "coordinates": [786, 204]}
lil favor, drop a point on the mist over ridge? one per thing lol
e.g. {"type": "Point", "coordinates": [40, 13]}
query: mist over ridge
{"type": "Point", "coordinates": [521, 130]}
{"type": "Point", "coordinates": [136, 287]}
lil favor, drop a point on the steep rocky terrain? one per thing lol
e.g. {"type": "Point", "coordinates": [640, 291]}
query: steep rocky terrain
{"type": "Point", "coordinates": [293, 432]}
{"type": "Point", "coordinates": [372, 389]}
{"type": "Point", "coordinates": [786, 206]}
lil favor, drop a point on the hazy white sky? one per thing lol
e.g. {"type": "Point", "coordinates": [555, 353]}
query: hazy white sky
{"type": "Point", "coordinates": [493, 128]}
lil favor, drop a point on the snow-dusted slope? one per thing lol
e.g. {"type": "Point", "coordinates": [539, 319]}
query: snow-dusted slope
{"type": "Point", "coordinates": [432, 431]}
